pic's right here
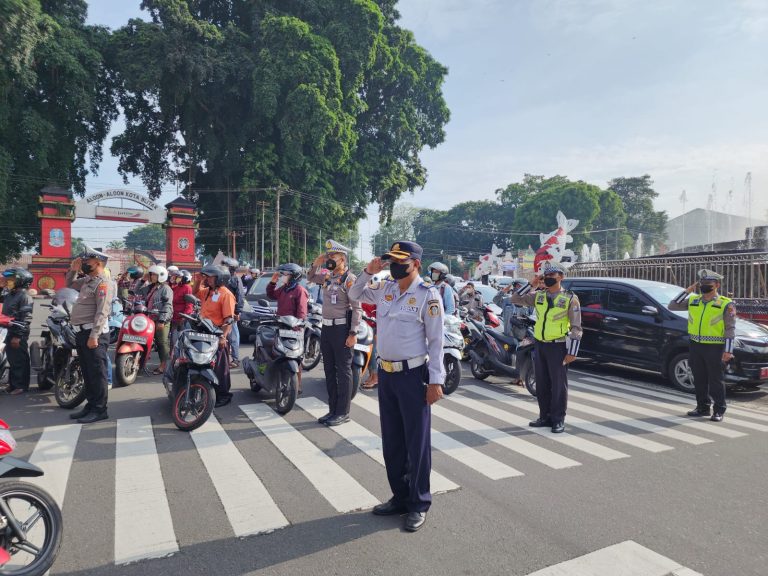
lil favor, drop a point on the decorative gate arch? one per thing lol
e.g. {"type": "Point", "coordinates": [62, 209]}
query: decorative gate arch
{"type": "Point", "coordinates": [58, 210]}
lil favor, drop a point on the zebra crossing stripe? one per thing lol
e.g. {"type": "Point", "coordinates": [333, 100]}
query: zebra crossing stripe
{"type": "Point", "coordinates": [676, 401]}
{"type": "Point", "coordinates": [367, 442]}
{"type": "Point", "coordinates": [581, 444]}
{"type": "Point", "coordinates": [232, 477]}
{"type": "Point", "coordinates": [342, 491]}
{"type": "Point", "coordinates": [528, 449]}
{"type": "Point", "coordinates": [479, 462]}
{"type": "Point", "coordinates": [143, 524]}
{"type": "Point", "coordinates": [53, 454]}
{"type": "Point", "coordinates": [599, 395]}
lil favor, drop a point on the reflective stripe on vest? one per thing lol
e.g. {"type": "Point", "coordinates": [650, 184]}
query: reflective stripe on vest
{"type": "Point", "coordinates": [705, 319]}
{"type": "Point", "coordinates": [552, 322]}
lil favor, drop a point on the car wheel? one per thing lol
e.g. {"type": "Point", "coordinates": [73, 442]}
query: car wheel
{"type": "Point", "coordinates": [680, 373]}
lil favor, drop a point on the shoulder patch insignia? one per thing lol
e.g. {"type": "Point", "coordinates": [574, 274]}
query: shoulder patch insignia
{"type": "Point", "coordinates": [433, 301]}
{"type": "Point", "coordinates": [350, 282]}
{"type": "Point", "coordinates": [433, 310]}
{"type": "Point", "coordinates": [102, 289]}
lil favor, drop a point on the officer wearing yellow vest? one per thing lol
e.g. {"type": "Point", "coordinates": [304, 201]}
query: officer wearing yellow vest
{"type": "Point", "coordinates": [711, 329]}
{"type": "Point", "coordinates": [558, 334]}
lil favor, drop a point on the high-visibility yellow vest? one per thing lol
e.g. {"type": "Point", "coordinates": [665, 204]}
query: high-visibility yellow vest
{"type": "Point", "coordinates": [552, 321]}
{"type": "Point", "coordinates": [705, 319]}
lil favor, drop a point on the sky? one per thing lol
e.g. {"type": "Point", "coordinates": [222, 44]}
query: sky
{"type": "Point", "coordinates": [589, 89]}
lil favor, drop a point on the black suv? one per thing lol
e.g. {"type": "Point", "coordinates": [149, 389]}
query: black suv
{"type": "Point", "coordinates": [626, 321]}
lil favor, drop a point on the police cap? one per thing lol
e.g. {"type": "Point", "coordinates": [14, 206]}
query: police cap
{"type": "Point", "coordinates": [404, 249]}
{"type": "Point", "coordinates": [89, 252]}
{"type": "Point", "coordinates": [705, 274]}
{"type": "Point", "coordinates": [331, 247]}
{"type": "Point", "coordinates": [553, 268]}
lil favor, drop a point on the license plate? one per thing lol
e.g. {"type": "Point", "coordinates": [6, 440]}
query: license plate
{"type": "Point", "coordinates": [290, 334]}
{"type": "Point", "coordinates": [362, 347]}
{"type": "Point", "coordinates": [764, 372]}
{"type": "Point", "coordinates": [7, 437]}
{"type": "Point", "coordinates": [133, 338]}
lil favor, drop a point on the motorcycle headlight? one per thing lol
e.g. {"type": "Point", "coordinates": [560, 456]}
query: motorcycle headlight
{"type": "Point", "coordinates": [139, 323]}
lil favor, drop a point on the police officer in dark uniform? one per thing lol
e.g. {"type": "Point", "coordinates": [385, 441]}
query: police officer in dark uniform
{"type": "Point", "coordinates": [557, 336]}
{"type": "Point", "coordinates": [18, 305]}
{"type": "Point", "coordinates": [711, 329]}
{"type": "Point", "coordinates": [409, 322]}
{"type": "Point", "coordinates": [341, 318]}
{"type": "Point", "coordinates": [90, 320]}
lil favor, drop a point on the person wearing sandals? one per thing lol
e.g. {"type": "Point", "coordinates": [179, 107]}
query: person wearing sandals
{"type": "Point", "coordinates": [160, 305]}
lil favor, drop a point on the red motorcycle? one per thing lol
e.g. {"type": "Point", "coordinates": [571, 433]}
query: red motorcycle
{"type": "Point", "coordinates": [134, 344]}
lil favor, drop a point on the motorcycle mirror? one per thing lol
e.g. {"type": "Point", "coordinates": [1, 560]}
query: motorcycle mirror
{"type": "Point", "coordinates": [191, 299]}
{"type": "Point", "coordinates": [263, 302]}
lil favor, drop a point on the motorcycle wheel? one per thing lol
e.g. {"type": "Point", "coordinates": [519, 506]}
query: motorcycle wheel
{"type": "Point", "coordinates": [529, 380]}
{"type": "Point", "coordinates": [187, 417]}
{"type": "Point", "coordinates": [70, 393]}
{"type": "Point", "coordinates": [286, 390]}
{"type": "Point", "coordinates": [311, 353]}
{"type": "Point", "coordinates": [37, 511]}
{"type": "Point", "coordinates": [452, 374]}
{"type": "Point", "coordinates": [478, 371]}
{"type": "Point", "coordinates": [357, 373]}
{"type": "Point", "coordinates": [45, 379]}
{"type": "Point", "coordinates": [126, 369]}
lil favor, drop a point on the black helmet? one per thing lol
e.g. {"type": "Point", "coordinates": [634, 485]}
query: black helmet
{"type": "Point", "coordinates": [229, 262]}
{"type": "Point", "coordinates": [21, 277]}
{"type": "Point", "coordinates": [219, 272]}
{"type": "Point", "coordinates": [291, 269]}
{"type": "Point", "coordinates": [134, 272]}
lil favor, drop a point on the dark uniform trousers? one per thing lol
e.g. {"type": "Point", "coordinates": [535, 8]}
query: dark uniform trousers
{"type": "Point", "coordinates": [93, 363]}
{"type": "Point", "coordinates": [19, 371]}
{"type": "Point", "coordinates": [551, 380]}
{"type": "Point", "coordinates": [707, 369]}
{"type": "Point", "coordinates": [405, 435]}
{"type": "Point", "coordinates": [337, 363]}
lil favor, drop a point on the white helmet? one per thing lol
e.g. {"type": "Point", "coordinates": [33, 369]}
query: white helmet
{"type": "Point", "coordinates": [253, 270]}
{"type": "Point", "coordinates": [161, 271]}
{"type": "Point", "coordinates": [441, 270]}
{"type": "Point", "coordinates": [173, 270]}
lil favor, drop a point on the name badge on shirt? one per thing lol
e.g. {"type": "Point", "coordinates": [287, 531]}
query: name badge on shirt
{"type": "Point", "coordinates": [215, 297]}
{"type": "Point", "coordinates": [334, 298]}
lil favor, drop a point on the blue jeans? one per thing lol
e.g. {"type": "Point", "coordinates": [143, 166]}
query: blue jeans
{"type": "Point", "coordinates": [109, 369]}
{"type": "Point", "coordinates": [234, 342]}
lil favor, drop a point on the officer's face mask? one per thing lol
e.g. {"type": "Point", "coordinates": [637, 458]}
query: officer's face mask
{"type": "Point", "coordinates": [550, 281]}
{"type": "Point", "coordinates": [399, 270]}
{"type": "Point", "coordinates": [86, 267]}
{"type": "Point", "coordinates": [706, 288]}
{"type": "Point", "coordinates": [330, 264]}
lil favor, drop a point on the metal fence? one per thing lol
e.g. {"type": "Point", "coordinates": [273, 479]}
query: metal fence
{"type": "Point", "coordinates": [745, 272]}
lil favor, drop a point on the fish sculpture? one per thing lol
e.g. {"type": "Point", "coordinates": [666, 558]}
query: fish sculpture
{"type": "Point", "coordinates": [553, 244]}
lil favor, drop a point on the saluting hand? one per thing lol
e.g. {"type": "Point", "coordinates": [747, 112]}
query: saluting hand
{"type": "Point", "coordinates": [275, 277]}
{"type": "Point", "coordinates": [375, 266]}
{"type": "Point", "coordinates": [319, 261]}
{"type": "Point", "coordinates": [692, 287]}
{"type": "Point", "coordinates": [536, 282]}
{"type": "Point", "coordinates": [434, 393]}
{"type": "Point", "coordinates": [76, 265]}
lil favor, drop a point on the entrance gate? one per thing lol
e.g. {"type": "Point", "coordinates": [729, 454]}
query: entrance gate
{"type": "Point", "coordinates": [58, 210]}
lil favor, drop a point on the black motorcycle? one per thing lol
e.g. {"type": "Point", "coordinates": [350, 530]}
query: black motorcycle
{"type": "Point", "coordinates": [189, 379]}
{"type": "Point", "coordinates": [312, 329]}
{"type": "Point", "coordinates": [274, 368]}
{"type": "Point", "coordinates": [30, 520]}
{"type": "Point", "coordinates": [493, 352]}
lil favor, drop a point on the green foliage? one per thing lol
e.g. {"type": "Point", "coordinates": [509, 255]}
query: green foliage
{"type": "Point", "coordinates": [56, 106]}
{"type": "Point", "coordinates": [637, 195]}
{"type": "Point", "coordinates": [148, 237]}
{"type": "Point", "coordinates": [78, 246]}
{"type": "Point", "coordinates": [116, 245]}
{"type": "Point", "coordinates": [399, 227]}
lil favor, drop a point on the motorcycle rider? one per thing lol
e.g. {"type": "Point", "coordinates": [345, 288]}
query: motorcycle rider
{"type": "Point", "coordinates": [474, 299]}
{"type": "Point", "coordinates": [136, 277]}
{"type": "Point", "coordinates": [235, 285]}
{"type": "Point", "coordinates": [218, 305]}
{"type": "Point", "coordinates": [509, 309]}
{"type": "Point", "coordinates": [180, 284]}
{"type": "Point", "coordinates": [251, 277]}
{"type": "Point", "coordinates": [438, 273]}
{"type": "Point", "coordinates": [18, 281]}
{"type": "Point", "coordinates": [159, 296]}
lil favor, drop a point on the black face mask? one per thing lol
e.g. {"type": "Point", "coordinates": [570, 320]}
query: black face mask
{"type": "Point", "coordinates": [86, 268]}
{"type": "Point", "coordinates": [706, 288]}
{"type": "Point", "coordinates": [549, 282]}
{"type": "Point", "coordinates": [398, 271]}
{"type": "Point", "coordinates": [330, 264]}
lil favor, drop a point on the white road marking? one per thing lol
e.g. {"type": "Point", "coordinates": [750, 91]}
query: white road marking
{"type": "Point", "coordinates": [485, 465]}
{"type": "Point", "coordinates": [368, 442]}
{"type": "Point", "coordinates": [582, 444]}
{"type": "Point", "coordinates": [340, 489]}
{"type": "Point", "coordinates": [232, 477]}
{"type": "Point", "coordinates": [143, 525]}
{"type": "Point", "coordinates": [53, 454]}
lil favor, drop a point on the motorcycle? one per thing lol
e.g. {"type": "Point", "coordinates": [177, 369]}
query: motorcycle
{"type": "Point", "coordinates": [492, 352]}
{"type": "Point", "coordinates": [312, 330]}
{"type": "Point", "coordinates": [453, 345]}
{"type": "Point", "coordinates": [134, 344]}
{"type": "Point", "coordinates": [17, 325]}
{"type": "Point", "coordinates": [55, 357]}
{"type": "Point", "coordinates": [189, 379]}
{"type": "Point", "coordinates": [116, 319]}
{"type": "Point", "coordinates": [279, 345]}
{"type": "Point", "coordinates": [4, 320]}
{"type": "Point", "coordinates": [468, 330]}
{"type": "Point", "coordinates": [31, 526]}
{"type": "Point", "coordinates": [362, 352]}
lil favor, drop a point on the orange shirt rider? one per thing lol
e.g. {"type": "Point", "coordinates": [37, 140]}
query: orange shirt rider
{"type": "Point", "coordinates": [218, 304]}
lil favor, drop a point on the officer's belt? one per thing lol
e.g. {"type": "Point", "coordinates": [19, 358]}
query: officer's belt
{"type": "Point", "coordinates": [402, 365]}
{"type": "Point", "coordinates": [80, 327]}
{"type": "Point", "coordinates": [559, 340]}
{"type": "Point", "coordinates": [334, 321]}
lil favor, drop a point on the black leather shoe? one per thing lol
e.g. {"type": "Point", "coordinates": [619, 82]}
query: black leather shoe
{"type": "Point", "coordinates": [415, 520]}
{"type": "Point", "coordinates": [324, 419]}
{"type": "Point", "coordinates": [92, 417]}
{"type": "Point", "coordinates": [717, 417]}
{"type": "Point", "coordinates": [540, 423]}
{"type": "Point", "coordinates": [336, 420]}
{"type": "Point", "coordinates": [699, 412]}
{"type": "Point", "coordinates": [558, 427]}
{"type": "Point", "coordinates": [80, 413]}
{"type": "Point", "coordinates": [389, 508]}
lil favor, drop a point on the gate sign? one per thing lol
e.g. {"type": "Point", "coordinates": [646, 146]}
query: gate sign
{"type": "Point", "coordinates": [89, 207]}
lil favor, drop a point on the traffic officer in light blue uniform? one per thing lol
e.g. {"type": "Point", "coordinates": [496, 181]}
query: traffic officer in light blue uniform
{"type": "Point", "coordinates": [409, 319]}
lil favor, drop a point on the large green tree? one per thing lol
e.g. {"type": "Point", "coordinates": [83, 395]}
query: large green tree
{"type": "Point", "coordinates": [147, 237]}
{"type": "Point", "coordinates": [327, 103]}
{"type": "Point", "coordinates": [637, 196]}
{"type": "Point", "coordinates": [56, 106]}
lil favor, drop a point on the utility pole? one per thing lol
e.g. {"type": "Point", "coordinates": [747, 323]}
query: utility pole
{"type": "Point", "coordinates": [256, 236]}
{"type": "Point", "coordinates": [263, 209]}
{"type": "Point", "coordinates": [305, 247]}
{"type": "Point", "coordinates": [276, 244]}
{"type": "Point", "coordinates": [290, 233]}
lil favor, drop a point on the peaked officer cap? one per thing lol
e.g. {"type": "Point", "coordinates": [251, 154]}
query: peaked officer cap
{"type": "Point", "coordinates": [552, 268]}
{"type": "Point", "coordinates": [404, 249]}
{"type": "Point", "coordinates": [89, 252]}
{"type": "Point", "coordinates": [705, 274]}
{"type": "Point", "coordinates": [331, 246]}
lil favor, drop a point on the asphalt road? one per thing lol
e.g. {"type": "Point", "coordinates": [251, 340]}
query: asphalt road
{"type": "Point", "coordinates": [521, 501]}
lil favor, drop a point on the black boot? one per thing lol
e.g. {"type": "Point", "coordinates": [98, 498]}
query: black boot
{"type": "Point", "coordinates": [80, 413]}
{"type": "Point", "coordinates": [699, 411]}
